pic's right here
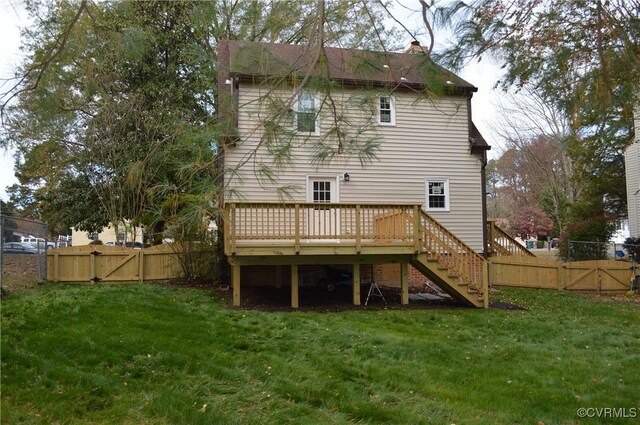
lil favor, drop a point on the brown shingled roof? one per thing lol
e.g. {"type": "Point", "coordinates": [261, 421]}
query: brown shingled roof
{"type": "Point", "coordinates": [349, 66]}
{"type": "Point", "coordinates": [477, 140]}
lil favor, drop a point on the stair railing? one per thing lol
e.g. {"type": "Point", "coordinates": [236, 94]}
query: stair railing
{"type": "Point", "coordinates": [449, 251]}
{"type": "Point", "coordinates": [501, 243]}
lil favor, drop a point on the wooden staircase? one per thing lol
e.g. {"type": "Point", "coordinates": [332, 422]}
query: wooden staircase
{"type": "Point", "coordinates": [451, 264]}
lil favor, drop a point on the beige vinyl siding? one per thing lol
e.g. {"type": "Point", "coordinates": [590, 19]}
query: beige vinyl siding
{"type": "Point", "coordinates": [107, 234]}
{"type": "Point", "coordinates": [430, 140]}
{"type": "Point", "coordinates": [636, 119]}
{"type": "Point", "coordinates": [632, 171]}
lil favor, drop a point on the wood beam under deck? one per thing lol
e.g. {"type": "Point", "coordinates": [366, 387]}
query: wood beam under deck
{"type": "Point", "coordinates": [294, 286]}
{"type": "Point", "coordinates": [356, 284]}
{"type": "Point", "coordinates": [404, 283]}
{"type": "Point", "coordinates": [235, 283]}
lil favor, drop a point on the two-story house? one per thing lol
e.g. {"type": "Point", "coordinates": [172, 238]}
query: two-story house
{"type": "Point", "coordinates": [632, 171]}
{"type": "Point", "coordinates": [342, 156]}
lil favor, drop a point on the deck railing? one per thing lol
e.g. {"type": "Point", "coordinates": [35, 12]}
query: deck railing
{"type": "Point", "coordinates": [315, 222]}
{"type": "Point", "coordinates": [501, 243]}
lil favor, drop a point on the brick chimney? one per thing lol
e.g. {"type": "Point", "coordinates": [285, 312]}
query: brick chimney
{"type": "Point", "coordinates": [415, 47]}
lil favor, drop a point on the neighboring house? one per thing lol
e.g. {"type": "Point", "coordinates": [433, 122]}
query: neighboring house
{"type": "Point", "coordinates": [419, 204]}
{"type": "Point", "coordinates": [107, 235]}
{"type": "Point", "coordinates": [622, 232]}
{"type": "Point", "coordinates": [632, 171]}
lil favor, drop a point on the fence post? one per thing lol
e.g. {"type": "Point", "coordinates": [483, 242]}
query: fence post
{"type": "Point", "coordinates": [56, 265]}
{"type": "Point", "coordinates": [46, 248]}
{"type": "Point", "coordinates": [92, 266]}
{"type": "Point", "coordinates": [141, 266]}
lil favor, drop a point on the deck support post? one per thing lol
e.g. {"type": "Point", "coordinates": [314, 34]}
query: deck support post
{"type": "Point", "coordinates": [235, 283]}
{"type": "Point", "coordinates": [404, 283]}
{"type": "Point", "coordinates": [278, 277]}
{"type": "Point", "coordinates": [294, 286]}
{"type": "Point", "coordinates": [356, 284]}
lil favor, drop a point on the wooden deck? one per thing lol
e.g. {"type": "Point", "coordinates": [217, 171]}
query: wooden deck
{"type": "Point", "coordinates": [355, 234]}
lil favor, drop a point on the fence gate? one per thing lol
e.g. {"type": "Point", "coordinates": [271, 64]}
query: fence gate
{"type": "Point", "coordinates": [600, 276]}
{"type": "Point", "coordinates": [118, 266]}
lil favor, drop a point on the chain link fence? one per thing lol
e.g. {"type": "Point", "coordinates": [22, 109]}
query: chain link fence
{"type": "Point", "coordinates": [24, 244]}
{"type": "Point", "coordinates": [589, 250]}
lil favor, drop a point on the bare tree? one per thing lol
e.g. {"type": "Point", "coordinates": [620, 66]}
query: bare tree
{"type": "Point", "coordinates": [537, 139]}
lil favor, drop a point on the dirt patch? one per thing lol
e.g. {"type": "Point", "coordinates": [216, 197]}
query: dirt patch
{"type": "Point", "coordinates": [505, 306]}
{"type": "Point", "coordinates": [318, 300]}
{"type": "Point", "coordinates": [20, 272]}
{"type": "Point", "coordinates": [633, 297]}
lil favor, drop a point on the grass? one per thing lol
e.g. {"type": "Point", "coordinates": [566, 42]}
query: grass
{"type": "Point", "coordinates": [146, 354]}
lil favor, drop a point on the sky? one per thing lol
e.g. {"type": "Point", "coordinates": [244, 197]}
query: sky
{"type": "Point", "coordinates": [483, 75]}
{"type": "Point", "coordinates": [11, 17]}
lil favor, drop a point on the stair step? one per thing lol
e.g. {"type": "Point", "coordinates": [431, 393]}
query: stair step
{"type": "Point", "coordinates": [441, 270]}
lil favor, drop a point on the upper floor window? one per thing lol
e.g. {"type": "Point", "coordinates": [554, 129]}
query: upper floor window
{"type": "Point", "coordinates": [437, 195]}
{"type": "Point", "coordinates": [386, 110]}
{"type": "Point", "coordinates": [306, 113]}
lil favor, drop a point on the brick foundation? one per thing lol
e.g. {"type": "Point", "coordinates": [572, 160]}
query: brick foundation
{"type": "Point", "coordinates": [266, 275]}
{"type": "Point", "coordinates": [389, 275]}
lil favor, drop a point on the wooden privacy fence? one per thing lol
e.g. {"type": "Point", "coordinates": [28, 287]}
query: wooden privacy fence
{"type": "Point", "coordinates": [531, 272]}
{"type": "Point", "coordinates": [99, 263]}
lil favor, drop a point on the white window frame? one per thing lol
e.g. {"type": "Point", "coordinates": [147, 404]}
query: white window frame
{"type": "Point", "coordinates": [392, 105]}
{"type": "Point", "coordinates": [316, 107]}
{"type": "Point", "coordinates": [447, 196]}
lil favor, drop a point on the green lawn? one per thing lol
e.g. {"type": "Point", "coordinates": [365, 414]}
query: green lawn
{"type": "Point", "coordinates": [146, 354]}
